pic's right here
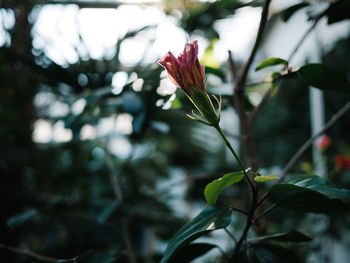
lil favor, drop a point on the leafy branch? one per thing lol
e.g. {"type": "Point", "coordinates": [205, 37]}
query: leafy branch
{"type": "Point", "coordinates": [309, 142]}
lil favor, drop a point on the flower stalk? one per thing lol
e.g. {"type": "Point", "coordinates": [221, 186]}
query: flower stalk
{"type": "Point", "coordinates": [228, 144]}
{"type": "Point", "coordinates": [188, 74]}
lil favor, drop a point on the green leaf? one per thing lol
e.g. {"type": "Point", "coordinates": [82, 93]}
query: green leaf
{"type": "Point", "coordinates": [313, 202]}
{"type": "Point", "coordinates": [213, 189]}
{"type": "Point", "coordinates": [292, 236]}
{"type": "Point", "coordinates": [338, 11]}
{"type": "Point", "coordinates": [271, 62]}
{"type": "Point", "coordinates": [208, 58]}
{"type": "Point", "coordinates": [209, 219]}
{"type": "Point", "coordinates": [322, 77]}
{"type": "Point", "coordinates": [311, 183]}
{"type": "Point", "coordinates": [192, 251]}
{"type": "Point", "coordinates": [311, 193]}
{"type": "Point", "coordinates": [289, 12]}
{"type": "Point", "coordinates": [176, 103]}
{"type": "Point", "coordinates": [262, 179]}
{"type": "Point", "coordinates": [215, 71]}
{"type": "Point", "coordinates": [265, 253]}
{"type": "Point", "coordinates": [269, 253]}
{"type": "Point", "coordinates": [21, 218]}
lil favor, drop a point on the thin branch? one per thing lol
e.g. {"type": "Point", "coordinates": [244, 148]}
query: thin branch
{"type": "Point", "coordinates": [240, 211]}
{"type": "Point", "coordinates": [253, 84]}
{"type": "Point", "coordinates": [258, 217]}
{"type": "Point", "coordinates": [224, 254]}
{"type": "Point", "coordinates": [258, 108]}
{"type": "Point", "coordinates": [231, 235]}
{"type": "Point", "coordinates": [262, 199]}
{"type": "Point", "coordinates": [309, 142]}
{"type": "Point", "coordinates": [249, 221]}
{"type": "Point", "coordinates": [115, 180]}
{"type": "Point", "coordinates": [233, 67]}
{"type": "Point", "coordinates": [302, 39]}
{"type": "Point", "coordinates": [306, 34]}
{"type": "Point", "coordinates": [127, 241]}
{"type": "Point", "coordinates": [27, 253]}
{"type": "Point", "coordinates": [246, 125]}
{"type": "Point", "coordinates": [239, 100]}
{"type": "Point", "coordinates": [244, 72]}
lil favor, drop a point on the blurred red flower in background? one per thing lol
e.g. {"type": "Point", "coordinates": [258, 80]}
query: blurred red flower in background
{"type": "Point", "coordinates": [323, 142]}
{"type": "Point", "coordinates": [342, 162]}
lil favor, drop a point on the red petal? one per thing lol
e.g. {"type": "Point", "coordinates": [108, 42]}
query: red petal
{"type": "Point", "coordinates": [202, 71]}
{"type": "Point", "coordinates": [190, 54]}
{"type": "Point", "coordinates": [173, 81]}
{"type": "Point", "coordinates": [168, 61]}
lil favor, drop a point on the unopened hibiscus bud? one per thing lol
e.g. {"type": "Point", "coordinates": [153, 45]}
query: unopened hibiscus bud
{"type": "Point", "coordinates": [323, 142]}
{"type": "Point", "coordinates": [185, 71]}
{"type": "Point", "coordinates": [188, 74]}
{"type": "Point", "coordinates": [342, 162]}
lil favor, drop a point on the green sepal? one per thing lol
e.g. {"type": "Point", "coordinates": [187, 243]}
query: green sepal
{"type": "Point", "coordinates": [218, 101]}
{"type": "Point", "coordinates": [199, 118]}
{"type": "Point", "coordinates": [202, 102]}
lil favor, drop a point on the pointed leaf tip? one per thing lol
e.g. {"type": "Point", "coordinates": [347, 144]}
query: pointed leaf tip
{"type": "Point", "coordinates": [209, 219]}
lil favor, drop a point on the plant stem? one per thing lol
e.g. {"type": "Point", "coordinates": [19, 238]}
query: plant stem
{"type": "Point", "coordinates": [244, 72]}
{"type": "Point", "coordinates": [249, 222]}
{"type": "Point", "coordinates": [246, 121]}
{"type": "Point", "coordinates": [306, 34]}
{"type": "Point", "coordinates": [231, 235]}
{"type": "Point", "coordinates": [115, 181]}
{"type": "Point", "coordinates": [228, 144]}
{"type": "Point", "coordinates": [27, 253]}
{"type": "Point", "coordinates": [240, 211]}
{"type": "Point", "coordinates": [257, 218]}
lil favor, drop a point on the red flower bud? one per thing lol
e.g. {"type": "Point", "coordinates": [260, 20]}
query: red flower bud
{"type": "Point", "coordinates": [187, 74]}
{"type": "Point", "coordinates": [342, 162]}
{"type": "Point", "coordinates": [323, 142]}
{"type": "Point", "coordinates": [185, 71]}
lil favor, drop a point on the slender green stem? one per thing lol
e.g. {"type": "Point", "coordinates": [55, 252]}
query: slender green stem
{"type": "Point", "coordinates": [240, 211]}
{"type": "Point", "coordinates": [231, 235]}
{"type": "Point", "coordinates": [257, 218]}
{"type": "Point", "coordinates": [228, 144]}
